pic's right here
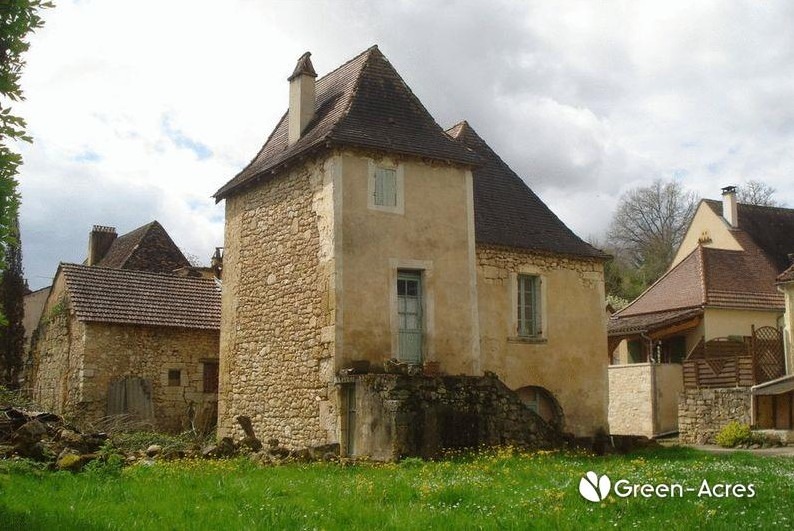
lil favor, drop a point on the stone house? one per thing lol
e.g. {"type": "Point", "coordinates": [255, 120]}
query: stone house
{"type": "Point", "coordinates": [363, 240]}
{"type": "Point", "coordinates": [119, 336]}
{"type": "Point", "coordinates": [712, 321]}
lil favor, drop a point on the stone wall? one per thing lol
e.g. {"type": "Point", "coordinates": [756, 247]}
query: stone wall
{"type": "Point", "coordinates": [57, 345]}
{"type": "Point", "coordinates": [116, 351]}
{"type": "Point", "coordinates": [399, 416]}
{"type": "Point", "coordinates": [73, 365]}
{"type": "Point", "coordinates": [702, 413]}
{"type": "Point", "coordinates": [570, 357]}
{"type": "Point", "coordinates": [277, 316]}
{"type": "Point", "coordinates": [630, 404]}
{"type": "Point", "coordinates": [643, 398]}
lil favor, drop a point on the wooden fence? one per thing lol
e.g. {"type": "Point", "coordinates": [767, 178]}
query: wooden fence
{"type": "Point", "coordinates": [736, 361]}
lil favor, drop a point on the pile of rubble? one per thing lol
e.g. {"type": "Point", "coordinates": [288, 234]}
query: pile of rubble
{"type": "Point", "coordinates": [47, 437]}
{"type": "Point", "coordinates": [273, 454]}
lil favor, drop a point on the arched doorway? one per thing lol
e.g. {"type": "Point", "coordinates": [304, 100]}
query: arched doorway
{"type": "Point", "coordinates": [542, 402]}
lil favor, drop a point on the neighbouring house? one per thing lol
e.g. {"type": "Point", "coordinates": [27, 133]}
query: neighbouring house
{"type": "Point", "coordinates": [122, 335]}
{"type": "Point", "coordinates": [396, 288]}
{"type": "Point", "coordinates": [712, 322]}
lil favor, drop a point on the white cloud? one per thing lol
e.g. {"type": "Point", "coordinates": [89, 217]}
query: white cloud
{"type": "Point", "coordinates": [142, 109]}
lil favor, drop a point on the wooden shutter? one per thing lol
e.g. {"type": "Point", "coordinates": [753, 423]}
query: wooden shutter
{"type": "Point", "coordinates": [385, 187]}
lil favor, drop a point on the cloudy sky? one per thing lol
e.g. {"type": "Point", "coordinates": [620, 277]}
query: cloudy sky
{"type": "Point", "coordinates": [141, 109]}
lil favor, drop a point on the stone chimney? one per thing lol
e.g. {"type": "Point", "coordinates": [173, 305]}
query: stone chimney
{"type": "Point", "coordinates": [99, 241]}
{"type": "Point", "coordinates": [729, 211]}
{"type": "Point", "coordinates": [302, 100]}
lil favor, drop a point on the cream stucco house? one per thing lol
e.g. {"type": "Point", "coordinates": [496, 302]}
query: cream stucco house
{"type": "Point", "coordinates": [713, 320]}
{"type": "Point", "coordinates": [363, 239]}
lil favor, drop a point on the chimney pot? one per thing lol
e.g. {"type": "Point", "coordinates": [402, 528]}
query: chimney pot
{"type": "Point", "coordinates": [729, 209]}
{"type": "Point", "coordinates": [302, 98]}
{"type": "Point", "coordinates": [99, 241]}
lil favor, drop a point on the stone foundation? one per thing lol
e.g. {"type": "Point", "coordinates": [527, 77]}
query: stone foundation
{"type": "Point", "coordinates": [702, 413]}
{"type": "Point", "coordinates": [399, 416]}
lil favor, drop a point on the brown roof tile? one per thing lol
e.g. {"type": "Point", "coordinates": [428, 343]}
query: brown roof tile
{"type": "Point", "coordinates": [147, 248]}
{"type": "Point", "coordinates": [771, 228]}
{"type": "Point", "coordinates": [507, 212]}
{"type": "Point", "coordinates": [681, 287]}
{"type": "Point", "coordinates": [710, 277]}
{"type": "Point", "coordinates": [100, 294]}
{"type": "Point", "coordinates": [363, 103]}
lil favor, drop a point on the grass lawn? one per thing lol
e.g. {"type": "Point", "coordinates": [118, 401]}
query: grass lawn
{"type": "Point", "coordinates": [489, 490]}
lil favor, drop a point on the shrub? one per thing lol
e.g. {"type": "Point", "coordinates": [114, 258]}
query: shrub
{"type": "Point", "coordinates": [734, 433]}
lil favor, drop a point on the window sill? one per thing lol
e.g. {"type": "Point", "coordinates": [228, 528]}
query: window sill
{"type": "Point", "coordinates": [528, 340]}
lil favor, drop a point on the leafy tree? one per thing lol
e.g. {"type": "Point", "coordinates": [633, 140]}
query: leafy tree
{"type": "Point", "coordinates": [18, 18]}
{"type": "Point", "coordinates": [758, 193]}
{"type": "Point", "coordinates": [12, 294]}
{"type": "Point", "coordinates": [645, 232]}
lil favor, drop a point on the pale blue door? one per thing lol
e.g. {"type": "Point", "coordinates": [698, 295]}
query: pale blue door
{"type": "Point", "coordinates": [409, 312]}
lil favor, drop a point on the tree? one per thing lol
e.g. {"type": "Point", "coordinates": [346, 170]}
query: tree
{"type": "Point", "coordinates": [12, 295]}
{"type": "Point", "coordinates": [647, 228]}
{"type": "Point", "coordinates": [18, 18]}
{"type": "Point", "coordinates": [758, 193]}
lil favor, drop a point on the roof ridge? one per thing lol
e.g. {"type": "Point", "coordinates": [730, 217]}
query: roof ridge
{"type": "Point", "coordinates": [133, 272]}
{"type": "Point", "coordinates": [374, 52]}
{"type": "Point", "coordinates": [356, 85]}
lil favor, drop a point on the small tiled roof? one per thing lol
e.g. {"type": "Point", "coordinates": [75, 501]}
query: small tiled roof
{"type": "Point", "coordinates": [771, 229]}
{"type": "Point", "coordinates": [646, 323]}
{"type": "Point", "coordinates": [507, 212]}
{"type": "Point", "coordinates": [363, 103]}
{"type": "Point", "coordinates": [100, 294]}
{"type": "Point", "coordinates": [147, 248]}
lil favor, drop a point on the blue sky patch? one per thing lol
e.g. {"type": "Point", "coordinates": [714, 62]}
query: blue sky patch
{"type": "Point", "coordinates": [181, 140]}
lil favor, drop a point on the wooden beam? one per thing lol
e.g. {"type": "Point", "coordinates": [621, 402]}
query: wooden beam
{"type": "Point", "coordinates": [675, 329]}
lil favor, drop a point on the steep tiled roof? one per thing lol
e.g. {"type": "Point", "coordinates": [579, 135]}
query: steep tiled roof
{"type": "Point", "coordinates": [649, 322]}
{"type": "Point", "coordinates": [363, 103]}
{"type": "Point", "coordinates": [507, 212]}
{"type": "Point", "coordinates": [101, 294]}
{"type": "Point", "coordinates": [147, 248]}
{"type": "Point", "coordinates": [771, 228]}
{"type": "Point", "coordinates": [710, 277]}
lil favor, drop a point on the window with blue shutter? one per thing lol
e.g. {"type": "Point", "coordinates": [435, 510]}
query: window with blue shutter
{"type": "Point", "coordinates": [529, 322]}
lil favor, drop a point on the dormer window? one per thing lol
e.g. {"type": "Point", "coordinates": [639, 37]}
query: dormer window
{"type": "Point", "coordinates": [385, 187]}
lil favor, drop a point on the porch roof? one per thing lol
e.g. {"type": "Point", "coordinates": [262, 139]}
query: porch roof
{"type": "Point", "coordinates": [778, 386]}
{"type": "Point", "coordinates": [650, 322]}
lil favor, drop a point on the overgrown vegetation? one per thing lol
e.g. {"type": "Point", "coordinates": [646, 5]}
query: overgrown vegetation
{"type": "Point", "coordinates": [491, 490]}
{"type": "Point", "coordinates": [14, 398]}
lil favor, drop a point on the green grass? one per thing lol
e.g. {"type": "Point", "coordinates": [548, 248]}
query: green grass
{"type": "Point", "coordinates": [489, 490]}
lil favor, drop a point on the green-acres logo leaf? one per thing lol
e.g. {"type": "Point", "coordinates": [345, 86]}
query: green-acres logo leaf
{"type": "Point", "coordinates": [593, 488]}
